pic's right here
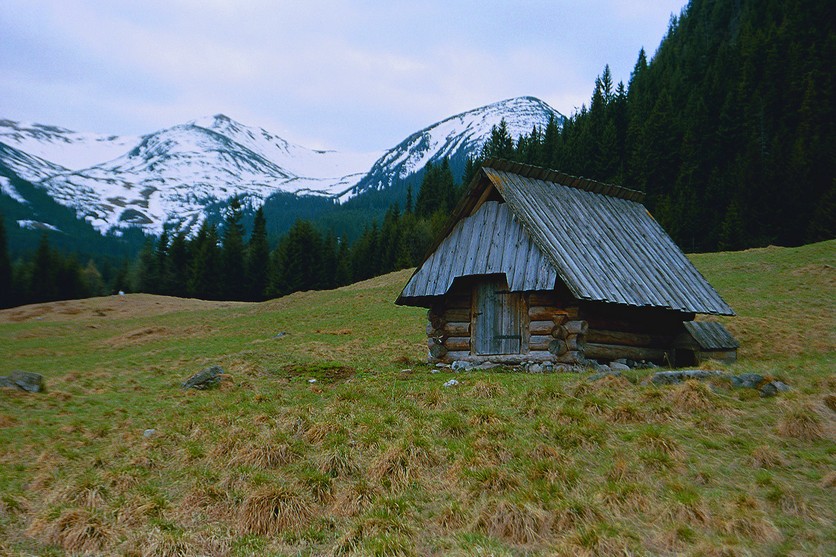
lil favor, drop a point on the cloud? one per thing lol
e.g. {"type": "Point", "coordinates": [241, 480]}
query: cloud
{"type": "Point", "coordinates": [337, 74]}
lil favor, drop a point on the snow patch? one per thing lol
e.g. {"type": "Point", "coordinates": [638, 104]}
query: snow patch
{"type": "Point", "coordinates": [37, 225]}
{"type": "Point", "coordinates": [7, 188]}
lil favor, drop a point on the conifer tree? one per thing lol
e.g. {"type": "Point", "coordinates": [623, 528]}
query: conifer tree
{"type": "Point", "coordinates": [233, 285]}
{"type": "Point", "coordinates": [42, 287]}
{"type": "Point", "coordinates": [179, 265]}
{"type": "Point", "coordinates": [205, 279]}
{"type": "Point", "coordinates": [6, 287]}
{"type": "Point", "coordinates": [258, 258]}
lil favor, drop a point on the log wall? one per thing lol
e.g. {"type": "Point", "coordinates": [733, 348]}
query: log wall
{"type": "Point", "coordinates": [558, 329]}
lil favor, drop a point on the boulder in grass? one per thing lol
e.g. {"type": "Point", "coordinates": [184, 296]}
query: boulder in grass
{"type": "Point", "coordinates": [205, 378]}
{"type": "Point", "coordinates": [24, 380]}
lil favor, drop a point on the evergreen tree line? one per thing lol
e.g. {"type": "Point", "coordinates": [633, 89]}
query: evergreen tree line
{"type": "Point", "coordinates": [728, 130]}
{"type": "Point", "coordinates": [46, 276]}
{"type": "Point", "coordinates": [221, 263]}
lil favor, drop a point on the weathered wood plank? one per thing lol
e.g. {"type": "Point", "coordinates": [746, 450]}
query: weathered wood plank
{"type": "Point", "coordinates": [541, 327]}
{"type": "Point", "coordinates": [539, 342]}
{"type": "Point", "coordinates": [542, 313]}
{"type": "Point", "coordinates": [457, 343]}
{"type": "Point", "coordinates": [576, 327]}
{"type": "Point", "coordinates": [457, 329]}
{"type": "Point", "coordinates": [599, 351]}
{"type": "Point", "coordinates": [458, 314]}
{"type": "Point", "coordinates": [547, 298]}
{"type": "Point", "coordinates": [627, 338]}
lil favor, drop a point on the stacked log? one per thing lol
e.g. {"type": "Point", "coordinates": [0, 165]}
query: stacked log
{"type": "Point", "coordinates": [555, 332]}
{"type": "Point", "coordinates": [608, 345]}
{"type": "Point", "coordinates": [448, 332]}
{"type": "Point", "coordinates": [568, 340]}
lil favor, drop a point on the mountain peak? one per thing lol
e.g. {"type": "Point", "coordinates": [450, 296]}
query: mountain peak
{"type": "Point", "coordinates": [174, 175]}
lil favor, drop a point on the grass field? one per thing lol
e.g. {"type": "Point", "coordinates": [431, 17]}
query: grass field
{"type": "Point", "coordinates": [372, 459]}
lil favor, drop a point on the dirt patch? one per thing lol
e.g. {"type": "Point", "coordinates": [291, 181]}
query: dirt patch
{"type": "Point", "coordinates": [817, 270]}
{"type": "Point", "coordinates": [151, 334]}
{"type": "Point", "coordinates": [111, 307]}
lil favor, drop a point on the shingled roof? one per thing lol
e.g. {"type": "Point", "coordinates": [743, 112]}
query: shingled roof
{"type": "Point", "coordinates": [598, 239]}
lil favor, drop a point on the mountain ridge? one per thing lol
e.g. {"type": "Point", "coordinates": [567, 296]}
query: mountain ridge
{"type": "Point", "coordinates": [168, 178]}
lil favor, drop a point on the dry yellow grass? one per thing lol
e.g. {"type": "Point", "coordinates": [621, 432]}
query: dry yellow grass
{"type": "Point", "coordinates": [370, 460]}
{"type": "Point", "coordinates": [273, 510]}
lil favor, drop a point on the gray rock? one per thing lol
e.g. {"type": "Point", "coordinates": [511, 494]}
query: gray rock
{"type": "Point", "coordinates": [205, 378]}
{"type": "Point", "coordinates": [618, 366]}
{"type": "Point", "coordinates": [461, 365]}
{"type": "Point", "coordinates": [487, 365]}
{"type": "Point", "coordinates": [548, 367]}
{"type": "Point", "coordinates": [149, 432]}
{"type": "Point", "coordinates": [451, 383]}
{"type": "Point", "coordinates": [781, 386]}
{"type": "Point", "coordinates": [24, 380]}
{"type": "Point", "coordinates": [434, 371]}
{"type": "Point", "coordinates": [622, 361]}
{"type": "Point", "coordinates": [535, 368]}
{"type": "Point", "coordinates": [746, 380]}
{"type": "Point", "coordinates": [773, 388]}
{"type": "Point", "coordinates": [680, 376]}
{"type": "Point", "coordinates": [768, 390]}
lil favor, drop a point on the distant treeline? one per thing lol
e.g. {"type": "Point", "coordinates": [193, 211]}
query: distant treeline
{"type": "Point", "coordinates": [218, 263]}
{"type": "Point", "coordinates": [729, 130]}
{"type": "Point", "coordinates": [224, 263]}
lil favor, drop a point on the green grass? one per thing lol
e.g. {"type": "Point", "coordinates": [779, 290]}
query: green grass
{"type": "Point", "coordinates": [374, 460]}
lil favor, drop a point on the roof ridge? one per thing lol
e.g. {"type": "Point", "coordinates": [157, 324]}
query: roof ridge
{"type": "Point", "coordinates": [564, 179]}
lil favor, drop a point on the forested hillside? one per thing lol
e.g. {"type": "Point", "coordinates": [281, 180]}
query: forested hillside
{"type": "Point", "coordinates": [728, 129]}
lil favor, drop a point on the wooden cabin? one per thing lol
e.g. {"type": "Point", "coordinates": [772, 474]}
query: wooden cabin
{"type": "Point", "coordinates": [536, 265]}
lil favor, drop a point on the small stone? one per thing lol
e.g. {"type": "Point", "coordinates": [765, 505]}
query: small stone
{"type": "Point", "coordinates": [618, 366]}
{"type": "Point", "coordinates": [434, 371]}
{"type": "Point", "coordinates": [768, 390]}
{"type": "Point", "coordinates": [548, 367]}
{"type": "Point", "coordinates": [451, 383]}
{"type": "Point", "coordinates": [149, 432]}
{"type": "Point", "coordinates": [280, 334]}
{"type": "Point", "coordinates": [747, 380]}
{"type": "Point", "coordinates": [622, 361]}
{"type": "Point", "coordinates": [311, 380]}
{"type": "Point", "coordinates": [205, 378]}
{"type": "Point", "coordinates": [406, 370]}
{"type": "Point", "coordinates": [488, 365]}
{"type": "Point", "coordinates": [781, 386]}
{"type": "Point", "coordinates": [535, 368]}
{"type": "Point", "coordinates": [24, 380]}
{"type": "Point", "coordinates": [461, 365]}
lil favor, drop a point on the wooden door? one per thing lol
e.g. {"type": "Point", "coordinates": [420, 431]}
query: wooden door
{"type": "Point", "coordinates": [497, 318]}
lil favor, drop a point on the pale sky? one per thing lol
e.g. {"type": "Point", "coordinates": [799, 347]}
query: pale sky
{"type": "Point", "coordinates": [345, 75]}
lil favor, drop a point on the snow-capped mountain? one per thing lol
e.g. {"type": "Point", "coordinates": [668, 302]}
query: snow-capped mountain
{"type": "Point", "coordinates": [169, 177]}
{"type": "Point", "coordinates": [457, 137]}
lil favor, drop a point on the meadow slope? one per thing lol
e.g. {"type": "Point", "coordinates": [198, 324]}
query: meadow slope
{"type": "Point", "coordinates": [378, 458]}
